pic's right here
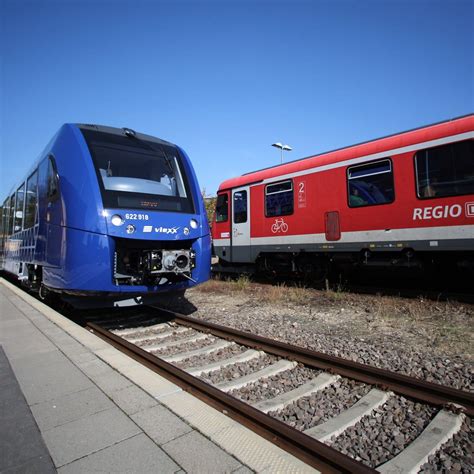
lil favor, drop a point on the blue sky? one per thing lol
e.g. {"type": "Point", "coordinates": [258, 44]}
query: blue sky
{"type": "Point", "coordinates": [226, 79]}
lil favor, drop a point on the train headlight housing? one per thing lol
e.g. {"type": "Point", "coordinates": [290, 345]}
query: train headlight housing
{"type": "Point", "coordinates": [117, 220]}
{"type": "Point", "coordinates": [193, 223]}
{"type": "Point", "coordinates": [182, 261]}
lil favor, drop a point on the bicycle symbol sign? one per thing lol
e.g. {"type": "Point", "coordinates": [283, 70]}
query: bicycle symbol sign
{"type": "Point", "coordinates": [279, 226]}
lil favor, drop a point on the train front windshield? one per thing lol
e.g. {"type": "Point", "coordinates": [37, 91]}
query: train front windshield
{"type": "Point", "coordinates": [139, 174]}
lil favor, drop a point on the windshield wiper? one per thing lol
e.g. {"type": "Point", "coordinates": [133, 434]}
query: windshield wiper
{"type": "Point", "coordinates": [152, 148]}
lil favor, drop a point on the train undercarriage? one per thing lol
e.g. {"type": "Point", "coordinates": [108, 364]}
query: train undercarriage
{"type": "Point", "coordinates": [317, 268]}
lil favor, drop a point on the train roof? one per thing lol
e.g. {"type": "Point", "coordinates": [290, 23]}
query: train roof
{"type": "Point", "coordinates": [83, 126]}
{"type": "Point", "coordinates": [121, 132]}
{"type": "Point", "coordinates": [453, 126]}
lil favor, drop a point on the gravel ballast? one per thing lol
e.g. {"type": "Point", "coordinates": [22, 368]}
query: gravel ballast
{"type": "Point", "coordinates": [147, 331]}
{"type": "Point", "coordinates": [323, 405]}
{"type": "Point", "coordinates": [354, 330]}
{"type": "Point", "coordinates": [219, 355]}
{"type": "Point", "coordinates": [171, 338]}
{"type": "Point", "coordinates": [429, 340]}
{"type": "Point", "coordinates": [241, 369]}
{"type": "Point", "coordinates": [271, 387]}
{"type": "Point", "coordinates": [185, 347]}
{"type": "Point", "coordinates": [456, 455]}
{"type": "Point", "coordinates": [380, 436]}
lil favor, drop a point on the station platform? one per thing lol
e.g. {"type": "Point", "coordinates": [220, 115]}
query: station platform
{"type": "Point", "coordinates": [71, 403]}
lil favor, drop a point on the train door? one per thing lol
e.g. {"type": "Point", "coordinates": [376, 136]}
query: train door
{"type": "Point", "coordinates": [240, 235]}
{"type": "Point", "coordinates": [54, 219]}
{"type": "Point", "coordinates": [221, 227]}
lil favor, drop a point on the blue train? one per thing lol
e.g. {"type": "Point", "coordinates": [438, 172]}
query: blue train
{"type": "Point", "coordinates": [107, 217]}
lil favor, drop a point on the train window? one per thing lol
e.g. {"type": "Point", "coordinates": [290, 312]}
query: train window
{"type": "Point", "coordinates": [279, 199]}
{"type": "Point", "coordinates": [53, 186]}
{"type": "Point", "coordinates": [139, 174]}
{"type": "Point", "coordinates": [240, 207]}
{"type": "Point", "coordinates": [370, 184]}
{"type": "Point", "coordinates": [6, 208]}
{"type": "Point", "coordinates": [31, 200]}
{"type": "Point", "coordinates": [3, 227]}
{"type": "Point", "coordinates": [11, 215]}
{"type": "Point", "coordinates": [20, 201]}
{"type": "Point", "coordinates": [446, 170]}
{"type": "Point", "coordinates": [222, 208]}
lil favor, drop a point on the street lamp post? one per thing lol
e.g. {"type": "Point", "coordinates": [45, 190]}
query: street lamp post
{"type": "Point", "coordinates": [281, 147]}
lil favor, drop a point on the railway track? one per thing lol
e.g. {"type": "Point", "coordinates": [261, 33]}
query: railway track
{"type": "Point", "coordinates": [275, 389]}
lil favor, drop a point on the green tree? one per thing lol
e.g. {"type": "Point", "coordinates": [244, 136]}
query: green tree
{"type": "Point", "coordinates": [210, 203]}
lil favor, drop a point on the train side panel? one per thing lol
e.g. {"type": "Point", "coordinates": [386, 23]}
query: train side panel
{"type": "Point", "coordinates": [81, 200]}
{"type": "Point", "coordinates": [365, 201]}
{"type": "Point", "coordinates": [74, 248]}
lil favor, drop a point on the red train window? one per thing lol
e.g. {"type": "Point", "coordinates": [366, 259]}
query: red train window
{"type": "Point", "coordinates": [370, 184]}
{"type": "Point", "coordinates": [222, 208]}
{"type": "Point", "coordinates": [446, 170]}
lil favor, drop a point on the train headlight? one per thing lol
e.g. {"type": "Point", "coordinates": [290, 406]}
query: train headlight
{"type": "Point", "coordinates": [116, 220]}
{"type": "Point", "coordinates": [182, 261]}
{"type": "Point", "coordinates": [193, 223]}
{"type": "Point", "coordinates": [130, 229]}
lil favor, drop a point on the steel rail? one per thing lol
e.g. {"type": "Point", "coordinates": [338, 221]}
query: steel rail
{"type": "Point", "coordinates": [420, 390]}
{"type": "Point", "coordinates": [309, 450]}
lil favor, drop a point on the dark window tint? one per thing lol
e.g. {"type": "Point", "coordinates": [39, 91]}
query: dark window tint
{"type": "Point", "coordinates": [139, 174]}
{"type": "Point", "coordinates": [370, 184]}
{"type": "Point", "coordinates": [20, 200]}
{"type": "Point", "coordinates": [31, 200]}
{"type": "Point", "coordinates": [6, 210]}
{"type": "Point", "coordinates": [53, 188]}
{"type": "Point", "coordinates": [222, 208]}
{"type": "Point", "coordinates": [279, 199]}
{"type": "Point", "coordinates": [3, 227]}
{"type": "Point", "coordinates": [446, 170]}
{"type": "Point", "coordinates": [240, 207]}
{"type": "Point", "coordinates": [11, 215]}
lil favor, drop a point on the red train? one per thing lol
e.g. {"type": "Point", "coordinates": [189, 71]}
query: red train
{"type": "Point", "coordinates": [405, 200]}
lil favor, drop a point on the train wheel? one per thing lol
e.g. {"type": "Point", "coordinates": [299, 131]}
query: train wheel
{"type": "Point", "coordinates": [43, 293]}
